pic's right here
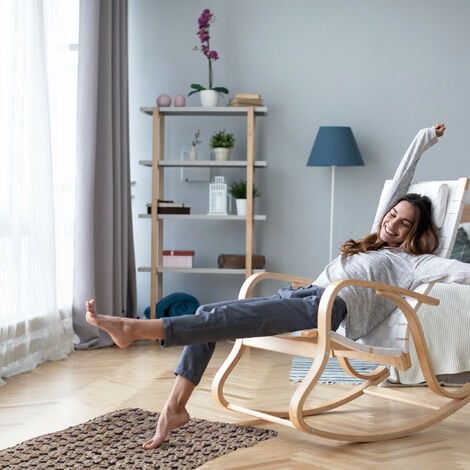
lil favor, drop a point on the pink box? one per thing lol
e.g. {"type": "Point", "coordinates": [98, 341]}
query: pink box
{"type": "Point", "coordinates": [178, 258]}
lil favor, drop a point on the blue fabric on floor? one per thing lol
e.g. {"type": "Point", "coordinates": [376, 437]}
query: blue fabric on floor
{"type": "Point", "coordinates": [174, 305]}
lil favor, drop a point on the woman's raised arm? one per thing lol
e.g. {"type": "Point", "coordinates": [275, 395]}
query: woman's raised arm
{"type": "Point", "coordinates": [405, 171]}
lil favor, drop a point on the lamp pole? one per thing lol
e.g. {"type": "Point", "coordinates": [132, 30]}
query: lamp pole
{"type": "Point", "coordinates": [332, 209]}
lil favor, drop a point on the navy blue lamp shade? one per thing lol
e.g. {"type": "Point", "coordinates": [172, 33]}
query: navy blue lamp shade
{"type": "Point", "coordinates": [335, 146]}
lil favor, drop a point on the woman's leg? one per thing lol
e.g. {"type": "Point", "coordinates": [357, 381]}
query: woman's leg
{"type": "Point", "coordinates": [124, 331]}
{"type": "Point", "coordinates": [192, 364]}
{"type": "Point", "coordinates": [237, 319]}
{"type": "Point", "coordinates": [174, 413]}
{"type": "Point", "coordinates": [254, 317]}
{"type": "Point", "coordinates": [250, 318]}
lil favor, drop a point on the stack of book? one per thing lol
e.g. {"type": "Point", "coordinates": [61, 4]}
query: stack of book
{"type": "Point", "coordinates": [246, 99]}
{"type": "Point", "coordinates": [170, 207]}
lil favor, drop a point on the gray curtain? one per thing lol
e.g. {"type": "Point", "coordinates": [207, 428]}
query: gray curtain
{"type": "Point", "coordinates": [104, 262]}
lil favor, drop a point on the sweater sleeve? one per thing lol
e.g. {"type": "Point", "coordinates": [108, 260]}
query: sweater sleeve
{"type": "Point", "coordinates": [404, 173]}
{"type": "Point", "coordinates": [431, 268]}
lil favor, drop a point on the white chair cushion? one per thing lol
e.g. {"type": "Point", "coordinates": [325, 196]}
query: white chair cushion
{"type": "Point", "coordinates": [438, 192]}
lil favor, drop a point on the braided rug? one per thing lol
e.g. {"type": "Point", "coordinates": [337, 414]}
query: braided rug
{"type": "Point", "coordinates": [114, 440]}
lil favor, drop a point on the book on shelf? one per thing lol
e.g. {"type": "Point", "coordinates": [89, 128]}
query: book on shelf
{"type": "Point", "coordinates": [174, 210]}
{"type": "Point", "coordinates": [169, 203]}
{"type": "Point", "coordinates": [170, 207]}
{"type": "Point", "coordinates": [246, 99]}
{"type": "Point", "coordinates": [248, 96]}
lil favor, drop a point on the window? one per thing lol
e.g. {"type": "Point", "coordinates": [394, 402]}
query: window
{"type": "Point", "coordinates": [38, 81]}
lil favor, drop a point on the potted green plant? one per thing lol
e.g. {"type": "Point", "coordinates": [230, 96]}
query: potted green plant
{"type": "Point", "coordinates": [239, 192]}
{"type": "Point", "coordinates": [222, 142]}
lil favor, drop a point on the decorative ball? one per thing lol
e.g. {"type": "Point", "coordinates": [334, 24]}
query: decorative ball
{"type": "Point", "coordinates": [180, 100]}
{"type": "Point", "coordinates": [164, 100]}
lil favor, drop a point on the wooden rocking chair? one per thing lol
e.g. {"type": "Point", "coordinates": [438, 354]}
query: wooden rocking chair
{"type": "Point", "coordinates": [322, 343]}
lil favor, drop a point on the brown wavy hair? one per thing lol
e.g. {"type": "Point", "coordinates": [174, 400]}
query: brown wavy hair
{"type": "Point", "coordinates": [422, 237]}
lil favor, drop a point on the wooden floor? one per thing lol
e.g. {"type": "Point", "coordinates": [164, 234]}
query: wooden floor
{"type": "Point", "coordinates": [89, 383]}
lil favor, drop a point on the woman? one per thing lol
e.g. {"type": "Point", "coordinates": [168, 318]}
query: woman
{"type": "Point", "coordinates": [398, 253]}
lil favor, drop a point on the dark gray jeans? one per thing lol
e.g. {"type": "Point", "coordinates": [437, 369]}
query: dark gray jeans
{"type": "Point", "coordinates": [288, 310]}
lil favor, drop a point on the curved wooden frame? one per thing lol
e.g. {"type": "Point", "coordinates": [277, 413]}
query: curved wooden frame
{"type": "Point", "coordinates": [321, 343]}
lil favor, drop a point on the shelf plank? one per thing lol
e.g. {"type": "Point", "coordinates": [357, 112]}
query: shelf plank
{"type": "Point", "coordinates": [203, 217]}
{"type": "Point", "coordinates": [162, 269]}
{"type": "Point", "coordinates": [200, 111]}
{"type": "Point", "coordinates": [204, 163]}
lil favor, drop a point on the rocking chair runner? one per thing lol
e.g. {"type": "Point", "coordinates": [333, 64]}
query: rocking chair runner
{"type": "Point", "coordinates": [322, 343]}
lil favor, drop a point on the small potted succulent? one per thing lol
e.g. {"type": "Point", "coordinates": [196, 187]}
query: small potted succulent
{"type": "Point", "coordinates": [222, 142]}
{"type": "Point", "coordinates": [238, 191]}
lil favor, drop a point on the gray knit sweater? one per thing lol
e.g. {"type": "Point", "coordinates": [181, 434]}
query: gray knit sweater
{"type": "Point", "coordinates": [365, 309]}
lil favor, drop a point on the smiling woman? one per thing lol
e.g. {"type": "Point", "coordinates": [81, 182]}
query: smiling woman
{"type": "Point", "coordinates": [397, 223]}
{"type": "Point", "coordinates": [37, 135]}
{"type": "Point", "coordinates": [409, 225]}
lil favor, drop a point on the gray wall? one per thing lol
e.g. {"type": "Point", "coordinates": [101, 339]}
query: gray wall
{"type": "Point", "coordinates": [385, 68]}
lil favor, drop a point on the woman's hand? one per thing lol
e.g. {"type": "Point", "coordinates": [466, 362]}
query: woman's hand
{"type": "Point", "coordinates": [440, 129]}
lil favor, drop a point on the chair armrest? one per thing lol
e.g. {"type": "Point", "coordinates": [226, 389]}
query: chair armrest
{"type": "Point", "coordinates": [246, 290]}
{"type": "Point", "coordinates": [393, 293]}
{"type": "Point", "coordinates": [381, 288]}
{"type": "Point", "coordinates": [384, 290]}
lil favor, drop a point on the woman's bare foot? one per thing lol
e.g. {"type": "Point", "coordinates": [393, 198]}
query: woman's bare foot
{"type": "Point", "coordinates": [118, 328]}
{"type": "Point", "coordinates": [168, 421]}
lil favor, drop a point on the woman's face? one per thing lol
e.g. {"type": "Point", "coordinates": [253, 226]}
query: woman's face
{"type": "Point", "coordinates": [397, 223]}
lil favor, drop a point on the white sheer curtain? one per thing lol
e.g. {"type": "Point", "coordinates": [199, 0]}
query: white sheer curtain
{"type": "Point", "coordinates": [37, 149]}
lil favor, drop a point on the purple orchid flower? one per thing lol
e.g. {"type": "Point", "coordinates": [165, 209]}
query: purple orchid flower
{"type": "Point", "coordinates": [204, 22]}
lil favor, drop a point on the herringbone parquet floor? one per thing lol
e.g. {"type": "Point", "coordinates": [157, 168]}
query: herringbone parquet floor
{"type": "Point", "coordinates": [89, 383]}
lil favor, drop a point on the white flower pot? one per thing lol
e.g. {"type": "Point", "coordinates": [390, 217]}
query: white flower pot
{"type": "Point", "coordinates": [241, 206]}
{"type": "Point", "coordinates": [222, 153]}
{"type": "Point", "coordinates": [209, 98]}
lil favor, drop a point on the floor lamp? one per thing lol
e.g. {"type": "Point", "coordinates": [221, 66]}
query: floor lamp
{"type": "Point", "coordinates": [334, 146]}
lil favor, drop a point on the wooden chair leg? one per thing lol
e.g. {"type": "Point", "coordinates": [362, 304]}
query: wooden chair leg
{"type": "Point", "coordinates": [224, 371]}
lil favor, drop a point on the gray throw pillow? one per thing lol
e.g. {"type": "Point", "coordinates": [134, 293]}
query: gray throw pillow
{"type": "Point", "coordinates": [461, 250]}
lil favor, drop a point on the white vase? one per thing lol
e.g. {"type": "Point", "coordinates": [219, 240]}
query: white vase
{"type": "Point", "coordinates": [222, 153]}
{"type": "Point", "coordinates": [209, 98]}
{"type": "Point", "coordinates": [193, 153]}
{"type": "Point", "coordinates": [241, 206]}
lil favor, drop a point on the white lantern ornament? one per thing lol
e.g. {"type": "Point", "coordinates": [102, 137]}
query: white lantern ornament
{"type": "Point", "coordinates": [218, 196]}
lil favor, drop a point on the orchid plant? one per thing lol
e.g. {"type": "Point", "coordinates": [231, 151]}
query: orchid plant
{"type": "Point", "coordinates": [204, 22]}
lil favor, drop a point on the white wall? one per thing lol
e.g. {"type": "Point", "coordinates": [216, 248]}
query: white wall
{"type": "Point", "coordinates": [385, 68]}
